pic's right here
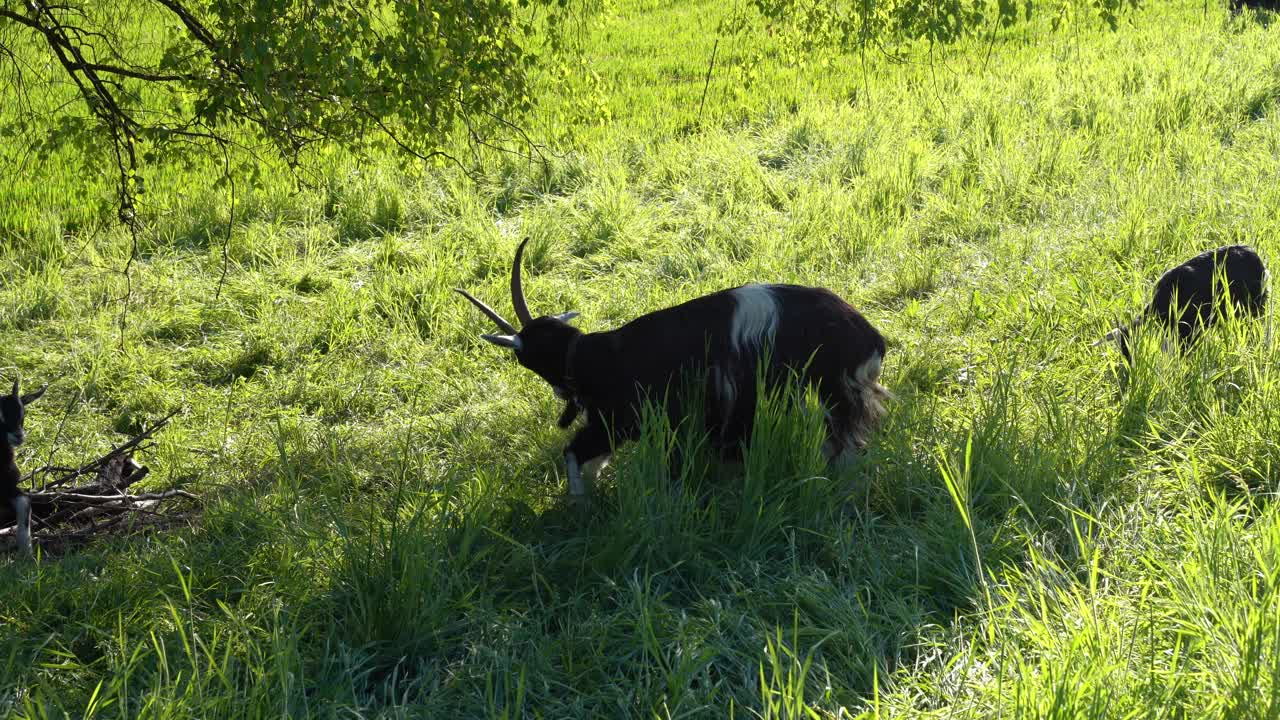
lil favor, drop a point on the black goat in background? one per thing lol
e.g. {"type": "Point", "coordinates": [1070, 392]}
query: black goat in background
{"type": "Point", "coordinates": [1189, 298]}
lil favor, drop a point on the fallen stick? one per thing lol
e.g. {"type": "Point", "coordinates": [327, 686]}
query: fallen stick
{"type": "Point", "coordinates": [103, 499]}
{"type": "Point", "coordinates": [94, 465]}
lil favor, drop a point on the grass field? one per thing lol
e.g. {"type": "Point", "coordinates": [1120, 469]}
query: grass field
{"type": "Point", "coordinates": [382, 531]}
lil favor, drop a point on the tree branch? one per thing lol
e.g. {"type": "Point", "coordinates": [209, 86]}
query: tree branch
{"type": "Point", "coordinates": [135, 74]}
{"type": "Point", "coordinates": [21, 19]}
{"type": "Point", "coordinates": [197, 29]}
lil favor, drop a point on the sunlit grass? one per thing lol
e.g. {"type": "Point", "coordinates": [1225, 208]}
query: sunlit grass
{"type": "Point", "coordinates": [1035, 531]}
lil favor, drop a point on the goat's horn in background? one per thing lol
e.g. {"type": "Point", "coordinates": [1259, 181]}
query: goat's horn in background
{"type": "Point", "coordinates": [500, 321]}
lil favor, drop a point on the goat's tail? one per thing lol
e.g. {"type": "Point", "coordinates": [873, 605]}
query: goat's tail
{"type": "Point", "coordinates": [863, 408]}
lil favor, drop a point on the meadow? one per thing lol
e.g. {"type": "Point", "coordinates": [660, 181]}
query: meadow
{"type": "Point", "coordinates": [1033, 532]}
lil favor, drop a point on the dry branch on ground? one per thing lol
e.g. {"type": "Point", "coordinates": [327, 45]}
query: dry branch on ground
{"type": "Point", "coordinates": [75, 504]}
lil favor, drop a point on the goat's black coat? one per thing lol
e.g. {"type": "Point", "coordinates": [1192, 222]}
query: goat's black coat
{"type": "Point", "coordinates": [12, 418]}
{"type": "Point", "coordinates": [1188, 298]}
{"type": "Point", "coordinates": [790, 329]}
{"type": "Point", "coordinates": [611, 374]}
{"type": "Point", "coordinates": [9, 473]}
{"type": "Point", "coordinates": [1238, 5]}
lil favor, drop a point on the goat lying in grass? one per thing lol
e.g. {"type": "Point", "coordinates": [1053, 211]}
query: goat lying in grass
{"type": "Point", "coordinates": [12, 414]}
{"type": "Point", "coordinates": [1189, 298]}
{"type": "Point", "coordinates": [725, 337]}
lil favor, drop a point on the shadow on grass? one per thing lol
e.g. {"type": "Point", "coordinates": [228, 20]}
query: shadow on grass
{"type": "Point", "coordinates": [670, 592]}
{"type": "Point", "coordinates": [666, 594]}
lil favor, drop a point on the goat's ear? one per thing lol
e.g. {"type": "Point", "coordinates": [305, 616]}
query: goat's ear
{"type": "Point", "coordinates": [32, 397]}
{"type": "Point", "coordinates": [506, 341]}
{"type": "Point", "coordinates": [1109, 337]}
{"type": "Point", "coordinates": [567, 316]}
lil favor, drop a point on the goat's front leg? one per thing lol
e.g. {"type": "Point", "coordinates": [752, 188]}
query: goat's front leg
{"type": "Point", "coordinates": [22, 509]}
{"type": "Point", "coordinates": [590, 443]}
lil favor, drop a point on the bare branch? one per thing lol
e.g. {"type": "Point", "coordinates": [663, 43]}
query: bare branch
{"type": "Point", "coordinates": [197, 29]}
{"type": "Point", "coordinates": [391, 134]}
{"type": "Point", "coordinates": [135, 74]}
{"type": "Point", "coordinates": [21, 20]}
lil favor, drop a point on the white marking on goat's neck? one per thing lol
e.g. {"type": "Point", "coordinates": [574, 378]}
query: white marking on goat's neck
{"type": "Point", "coordinates": [755, 317]}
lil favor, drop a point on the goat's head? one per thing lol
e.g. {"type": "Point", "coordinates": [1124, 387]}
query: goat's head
{"type": "Point", "coordinates": [1120, 336]}
{"type": "Point", "coordinates": [1123, 336]}
{"type": "Point", "coordinates": [541, 344]}
{"type": "Point", "coordinates": [13, 412]}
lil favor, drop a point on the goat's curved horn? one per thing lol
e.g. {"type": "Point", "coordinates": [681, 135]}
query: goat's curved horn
{"type": "Point", "coordinates": [32, 397]}
{"type": "Point", "coordinates": [517, 290]}
{"type": "Point", "coordinates": [500, 321]}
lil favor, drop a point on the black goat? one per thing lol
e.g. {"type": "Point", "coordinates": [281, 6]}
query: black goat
{"type": "Point", "coordinates": [1238, 5]}
{"type": "Point", "coordinates": [1189, 298]}
{"type": "Point", "coordinates": [12, 414]}
{"type": "Point", "coordinates": [723, 337]}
